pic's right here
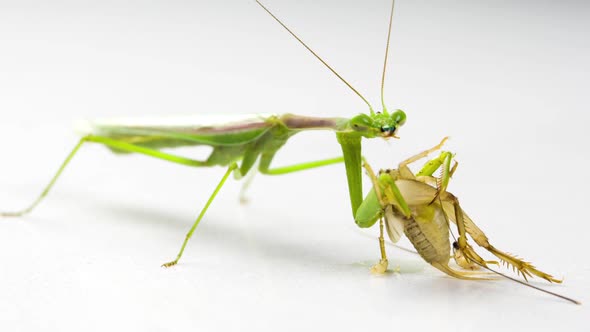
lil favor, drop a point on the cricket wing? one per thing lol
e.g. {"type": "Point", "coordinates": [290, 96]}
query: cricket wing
{"type": "Point", "coordinates": [394, 224]}
{"type": "Point", "coordinates": [416, 192]}
{"type": "Point", "coordinates": [183, 131]}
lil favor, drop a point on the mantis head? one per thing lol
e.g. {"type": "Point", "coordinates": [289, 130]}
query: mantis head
{"type": "Point", "coordinates": [380, 124]}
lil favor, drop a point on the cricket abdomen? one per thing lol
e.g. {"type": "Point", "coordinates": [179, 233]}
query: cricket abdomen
{"type": "Point", "coordinates": [428, 232]}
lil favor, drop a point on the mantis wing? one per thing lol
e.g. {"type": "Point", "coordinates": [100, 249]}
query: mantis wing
{"type": "Point", "coordinates": [173, 132]}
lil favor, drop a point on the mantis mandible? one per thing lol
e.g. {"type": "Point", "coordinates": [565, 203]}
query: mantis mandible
{"type": "Point", "coordinates": [239, 144]}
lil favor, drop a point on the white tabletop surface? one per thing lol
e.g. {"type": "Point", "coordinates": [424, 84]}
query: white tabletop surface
{"type": "Point", "coordinates": [508, 82]}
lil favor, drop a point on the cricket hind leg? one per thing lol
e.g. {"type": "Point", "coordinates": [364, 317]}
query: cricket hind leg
{"type": "Point", "coordinates": [114, 144]}
{"type": "Point", "coordinates": [466, 226]}
{"type": "Point", "coordinates": [465, 275]}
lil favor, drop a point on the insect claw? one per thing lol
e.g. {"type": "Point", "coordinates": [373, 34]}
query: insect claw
{"type": "Point", "coordinates": [170, 264]}
{"type": "Point", "coordinates": [380, 268]}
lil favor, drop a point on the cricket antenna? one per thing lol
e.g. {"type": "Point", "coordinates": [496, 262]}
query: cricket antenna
{"type": "Point", "coordinates": [529, 285]}
{"type": "Point", "coordinates": [317, 56]}
{"type": "Point", "coordinates": [504, 275]}
{"type": "Point", "coordinates": [386, 54]}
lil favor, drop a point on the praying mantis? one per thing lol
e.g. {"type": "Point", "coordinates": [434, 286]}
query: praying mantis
{"type": "Point", "coordinates": [241, 143]}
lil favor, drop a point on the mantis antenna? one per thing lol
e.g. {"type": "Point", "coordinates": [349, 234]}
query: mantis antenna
{"type": "Point", "coordinates": [386, 54]}
{"type": "Point", "coordinates": [317, 56]}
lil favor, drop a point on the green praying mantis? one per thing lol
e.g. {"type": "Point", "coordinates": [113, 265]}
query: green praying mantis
{"type": "Point", "coordinates": [240, 143]}
{"type": "Point", "coordinates": [415, 204]}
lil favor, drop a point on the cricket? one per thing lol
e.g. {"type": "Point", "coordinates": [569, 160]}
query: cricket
{"type": "Point", "coordinates": [418, 205]}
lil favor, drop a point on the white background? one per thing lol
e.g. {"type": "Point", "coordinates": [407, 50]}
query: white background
{"type": "Point", "coordinates": [506, 80]}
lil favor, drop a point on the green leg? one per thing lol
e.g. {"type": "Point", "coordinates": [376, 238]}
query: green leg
{"type": "Point", "coordinates": [230, 169]}
{"type": "Point", "coordinates": [264, 169]}
{"type": "Point", "coordinates": [444, 161]}
{"type": "Point", "coordinates": [301, 166]}
{"type": "Point", "coordinates": [423, 154]}
{"type": "Point", "coordinates": [351, 156]}
{"type": "Point", "coordinates": [48, 187]}
{"type": "Point", "coordinates": [353, 159]}
{"type": "Point", "coordinates": [111, 143]}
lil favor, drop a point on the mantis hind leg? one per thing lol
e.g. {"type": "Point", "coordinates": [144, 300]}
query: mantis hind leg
{"type": "Point", "coordinates": [112, 143]}
{"type": "Point", "coordinates": [48, 187]}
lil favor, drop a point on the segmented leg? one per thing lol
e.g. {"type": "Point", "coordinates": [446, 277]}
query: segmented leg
{"type": "Point", "coordinates": [230, 169]}
{"type": "Point", "coordinates": [300, 167]}
{"type": "Point", "coordinates": [381, 267]}
{"type": "Point", "coordinates": [423, 154]}
{"type": "Point", "coordinates": [466, 226]}
{"type": "Point", "coordinates": [119, 145]}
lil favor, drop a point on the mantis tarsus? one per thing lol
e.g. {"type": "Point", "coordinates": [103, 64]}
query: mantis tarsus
{"type": "Point", "coordinates": [420, 206]}
{"type": "Point", "coordinates": [239, 144]}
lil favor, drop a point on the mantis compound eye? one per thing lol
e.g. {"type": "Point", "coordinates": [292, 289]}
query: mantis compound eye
{"type": "Point", "coordinates": [363, 123]}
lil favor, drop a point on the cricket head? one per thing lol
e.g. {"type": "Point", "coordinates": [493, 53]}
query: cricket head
{"type": "Point", "coordinates": [381, 124]}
